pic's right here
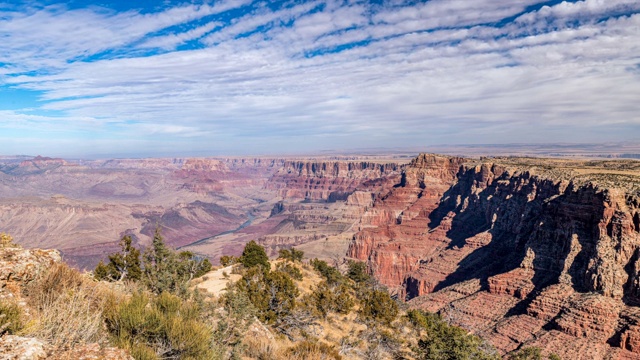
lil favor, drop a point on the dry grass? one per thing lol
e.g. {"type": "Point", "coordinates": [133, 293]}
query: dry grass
{"type": "Point", "coordinates": [261, 349]}
{"type": "Point", "coordinates": [69, 307]}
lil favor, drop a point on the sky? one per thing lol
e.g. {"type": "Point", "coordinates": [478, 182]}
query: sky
{"type": "Point", "coordinates": [233, 77]}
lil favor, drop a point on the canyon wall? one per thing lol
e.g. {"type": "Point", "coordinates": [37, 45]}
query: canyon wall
{"type": "Point", "coordinates": [522, 255]}
{"type": "Point", "coordinates": [329, 180]}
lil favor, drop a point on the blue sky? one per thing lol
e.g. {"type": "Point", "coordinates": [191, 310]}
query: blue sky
{"type": "Point", "coordinates": [151, 78]}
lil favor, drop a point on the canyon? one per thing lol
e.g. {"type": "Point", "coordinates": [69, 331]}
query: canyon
{"type": "Point", "coordinates": [521, 251]}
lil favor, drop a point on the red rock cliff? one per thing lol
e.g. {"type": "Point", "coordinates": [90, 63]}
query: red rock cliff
{"type": "Point", "coordinates": [520, 258]}
{"type": "Point", "coordinates": [329, 180]}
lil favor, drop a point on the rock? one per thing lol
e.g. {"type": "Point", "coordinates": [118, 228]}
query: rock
{"type": "Point", "coordinates": [21, 348]}
{"type": "Point", "coordinates": [524, 255]}
{"type": "Point", "coordinates": [23, 265]}
{"type": "Point", "coordinates": [329, 180]}
{"type": "Point", "coordinates": [91, 352]}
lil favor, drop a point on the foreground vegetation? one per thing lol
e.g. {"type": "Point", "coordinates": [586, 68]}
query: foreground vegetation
{"type": "Point", "coordinates": [284, 309]}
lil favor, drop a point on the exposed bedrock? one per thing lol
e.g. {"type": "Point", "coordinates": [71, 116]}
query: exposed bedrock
{"type": "Point", "coordinates": [518, 255]}
{"type": "Point", "coordinates": [330, 180]}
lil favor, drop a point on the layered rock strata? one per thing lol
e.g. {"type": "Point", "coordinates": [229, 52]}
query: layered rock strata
{"type": "Point", "coordinates": [329, 180]}
{"type": "Point", "coordinates": [524, 256]}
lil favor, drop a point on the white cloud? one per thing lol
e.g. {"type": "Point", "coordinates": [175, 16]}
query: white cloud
{"type": "Point", "coordinates": [425, 72]}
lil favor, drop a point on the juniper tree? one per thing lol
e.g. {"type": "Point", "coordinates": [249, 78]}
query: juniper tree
{"type": "Point", "coordinates": [123, 265]}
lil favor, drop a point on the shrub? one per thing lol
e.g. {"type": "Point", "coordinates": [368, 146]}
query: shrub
{"type": "Point", "coordinates": [290, 270]}
{"type": "Point", "coordinates": [238, 316]}
{"type": "Point", "coordinates": [11, 317]}
{"type": "Point", "coordinates": [254, 255]}
{"type": "Point", "coordinates": [164, 325]}
{"type": "Point", "coordinates": [58, 279]}
{"type": "Point", "coordinates": [6, 240]}
{"type": "Point", "coordinates": [69, 306]}
{"type": "Point", "coordinates": [272, 293]}
{"type": "Point", "coordinates": [527, 353]}
{"type": "Point", "coordinates": [379, 306]}
{"type": "Point", "coordinates": [227, 260]}
{"type": "Point", "coordinates": [71, 319]}
{"type": "Point", "coordinates": [358, 271]}
{"type": "Point", "coordinates": [444, 341]}
{"type": "Point", "coordinates": [313, 350]}
{"type": "Point", "coordinates": [331, 274]}
{"type": "Point", "coordinates": [292, 254]}
{"type": "Point", "coordinates": [326, 298]}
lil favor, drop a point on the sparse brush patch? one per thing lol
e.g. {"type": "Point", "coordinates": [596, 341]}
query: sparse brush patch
{"type": "Point", "coordinates": [71, 319]}
{"type": "Point", "coordinates": [11, 317]}
{"type": "Point", "coordinates": [239, 313]}
{"type": "Point", "coordinates": [168, 325]}
{"type": "Point", "coordinates": [69, 307]}
{"type": "Point", "coordinates": [290, 270]}
{"type": "Point", "coordinates": [7, 241]}
{"type": "Point", "coordinates": [261, 349]}
{"type": "Point", "coordinates": [227, 260]}
{"type": "Point", "coordinates": [331, 274]}
{"type": "Point", "coordinates": [313, 350]}
{"type": "Point", "coordinates": [58, 279]}
{"type": "Point", "coordinates": [293, 254]}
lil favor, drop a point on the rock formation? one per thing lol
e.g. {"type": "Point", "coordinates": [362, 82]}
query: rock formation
{"type": "Point", "coordinates": [518, 253]}
{"type": "Point", "coordinates": [328, 180]}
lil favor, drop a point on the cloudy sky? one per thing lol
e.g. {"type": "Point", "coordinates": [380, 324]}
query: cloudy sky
{"type": "Point", "coordinates": [126, 78]}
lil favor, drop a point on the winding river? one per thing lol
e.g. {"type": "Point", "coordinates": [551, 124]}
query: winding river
{"type": "Point", "coordinates": [250, 219]}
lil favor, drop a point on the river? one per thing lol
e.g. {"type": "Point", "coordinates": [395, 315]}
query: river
{"type": "Point", "coordinates": [250, 219]}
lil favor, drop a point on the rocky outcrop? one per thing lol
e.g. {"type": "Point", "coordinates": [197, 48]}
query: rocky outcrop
{"type": "Point", "coordinates": [518, 254]}
{"type": "Point", "coordinates": [20, 265]}
{"type": "Point", "coordinates": [14, 347]}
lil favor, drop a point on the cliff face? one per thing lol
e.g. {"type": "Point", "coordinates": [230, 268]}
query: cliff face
{"type": "Point", "coordinates": [328, 180]}
{"type": "Point", "coordinates": [398, 217]}
{"type": "Point", "coordinates": [519, 255]}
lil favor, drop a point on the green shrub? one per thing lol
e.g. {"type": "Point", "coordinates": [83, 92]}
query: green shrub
{"type": "Point", "coordinates": [272, 293]}
{"type": "Point", "coordinates": [379, 306]}
{"type": "Point", "coordinates": [11, 317]}
{"type": "Point", "coordinates": [254, 255]}
{"type": "Point", "coordinates": [165, 324]}
{"type": "Point", "coordinates": [238, 316]}
{"type": "Point", "coordinates": [168, 271]}
{"type": "Point", "coordinates": [331, 274]}
{"type": "Point", "coordinates": [527, 353]}
{"type": "Point", "coordinates": [292, 254]}
{"type": "Point", "coordinates": [162, 269]}
{"type": "Point", "coordinates": [358, 271]}
{"type": "Point", "coordinates": [290, 270]}
{"type": "Point", "coordinates": [326, 298]}
{"type": "Point", "coordinates": [444, 342]}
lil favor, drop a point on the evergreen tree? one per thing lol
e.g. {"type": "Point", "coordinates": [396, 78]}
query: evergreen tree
{"type": "Point", "coordinates": [166, 270]}
{"type": "Point", "coordinates": [123, 265]}
{"type": "Point", "coordinates": [254, 255]}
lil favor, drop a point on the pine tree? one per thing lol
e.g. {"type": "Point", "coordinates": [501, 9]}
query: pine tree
{"type": "Point", "coordinates": [123, 265]}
